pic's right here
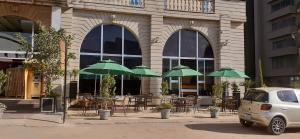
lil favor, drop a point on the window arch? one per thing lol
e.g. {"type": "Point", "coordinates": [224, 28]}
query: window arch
{"type": "Point", "coordinates": [110, 42]}
{"type": "Point", "coordinates": [189, 48]}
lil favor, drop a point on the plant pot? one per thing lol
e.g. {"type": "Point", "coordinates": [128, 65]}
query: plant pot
{"type": "Point", "coordinates": [165, 113]}
{"type": "Point", "coordinates": [104, 114]}
{"type": "Point", "coordinates": [214, 113]}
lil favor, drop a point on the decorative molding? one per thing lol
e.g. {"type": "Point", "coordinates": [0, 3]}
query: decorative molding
{"type": "Point", "coordinates": [155, 40]}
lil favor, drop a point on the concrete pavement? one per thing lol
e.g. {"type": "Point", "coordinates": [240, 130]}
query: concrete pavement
{"type": "Point", "coordinates": [139, 127]}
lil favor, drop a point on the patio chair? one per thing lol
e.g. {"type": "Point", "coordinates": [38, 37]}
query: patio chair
{"type": "Point", "coordinates": [231, 105]}
{"type": "Point", "coordinates": [139, 102]}
{"type": "Point", "coordinates": [189, 103]}
{"type": "Point", "coordinates": [125, 104]}
{"type": "Point", "coordinates": [197, 104]}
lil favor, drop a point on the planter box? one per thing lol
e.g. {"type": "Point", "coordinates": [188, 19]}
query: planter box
{"type": "Point", "coordinates": [47, 104]}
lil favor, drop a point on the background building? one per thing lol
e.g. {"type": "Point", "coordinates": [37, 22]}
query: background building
{"type": "Point", "coordinates": [275, 22]}
{"type": "Point", "coordinates": [202, 34]}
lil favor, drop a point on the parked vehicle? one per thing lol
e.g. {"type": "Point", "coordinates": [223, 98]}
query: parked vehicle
{"type": "Point", "coordinates": [275, 108]}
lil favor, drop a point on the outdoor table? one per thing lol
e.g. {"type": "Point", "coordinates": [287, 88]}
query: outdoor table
{"type": "Point", "coordinates": [141, 99]}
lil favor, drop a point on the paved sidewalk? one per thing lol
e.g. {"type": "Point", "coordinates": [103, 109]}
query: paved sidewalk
{"type": "Point", "coordinates": [137, 126]}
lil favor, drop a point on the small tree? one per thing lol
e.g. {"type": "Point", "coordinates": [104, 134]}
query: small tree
{"type": "Point", "coordinates": [3, 79]}
{"type": "Point", "coordinates": [235, 87]}
{"type": "Point", "coordinates": [46, 58]}
{"type": "Point", "coordinates": [217, 89]}
{"type": "Point", "coordinates": [248, 84]}
{"type": "Point", "coordinates": [261, 82]}
{"type": "Point", "coordinates": [107, 89]}
{"type": "Point", "coordinates": [164, 88]}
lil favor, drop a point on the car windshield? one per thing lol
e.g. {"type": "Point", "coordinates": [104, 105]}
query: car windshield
{"type": "Point", "coordinates": [257, 95]}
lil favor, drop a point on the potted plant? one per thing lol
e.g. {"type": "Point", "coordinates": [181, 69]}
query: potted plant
{"type": "Point", "coordinates": [2, 109]}
{"type": "Point", "coordinates": [165, 109]}
{"type": "Point", "coordinates": [164, 90]}
{"type": "Point", "coordinates": [107, 91]}
{"type": "Point", "coordinates": [218, 89]}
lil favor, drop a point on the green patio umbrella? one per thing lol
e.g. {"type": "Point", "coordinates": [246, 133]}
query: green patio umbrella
{"type": "Point", "coordinates": [108, 67]}
{"type": "Point", "coordinates": [181, 71]}
{"type": "Point", "coordinates": [228, 72]}
{"type": "Point", "coordinates": [144, 71]}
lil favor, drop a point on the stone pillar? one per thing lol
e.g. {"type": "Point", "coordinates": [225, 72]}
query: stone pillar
{"type": "Point", "coordinates": [224, 59]}
{"type": "Point", "coordinates": [156, 52]}
{"type": "Point", "coordinates": [66, 24]}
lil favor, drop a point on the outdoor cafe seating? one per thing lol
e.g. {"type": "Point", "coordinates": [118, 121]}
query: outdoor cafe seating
{"type": "Point", "coordinates": [142, 102]}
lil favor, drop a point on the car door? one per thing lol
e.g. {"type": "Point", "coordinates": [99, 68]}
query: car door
{"type": "Point", "coordinates": [290, 105]}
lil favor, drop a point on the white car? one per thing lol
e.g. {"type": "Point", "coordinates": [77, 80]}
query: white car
{"type": "Point", "coordinates": [275, 108]}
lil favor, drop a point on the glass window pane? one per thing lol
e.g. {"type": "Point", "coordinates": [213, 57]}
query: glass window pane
{"type": "Point", "coordinates": [201, 69]}
{"type": "Point", "coordinates": [189, 84]}
{"type": "Point", "coordinates": [209, 67]}
{"type": "Point", "coordinates": [166, 65]}
{"type": "Point", "coordinates": [112, 39]}
{"type": "Point", "coordinates": [172, 45]}
{"type": "Point", "coordinates": [131, 62]}
{"type": "Point", "coordinates": [86, 60]}
{"type": "Point", "coordinates": [188, 43]}
{"type": "Point", "coordinates": [287, 96]}
{"type": "Point", "coordinates": [131, 45]}
{"type": "Point", "coordinates": [92, 41]}
{"type": "Point", "coordinates": [131, 83]}
{"type": "Point", "coordinates": [117, 59]}
{"type": "Point", "coordinates": [204, 48]}
{"type": "Point", "coordinates": [87, 82]}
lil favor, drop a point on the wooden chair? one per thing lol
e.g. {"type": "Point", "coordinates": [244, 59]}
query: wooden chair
{"type": "Point", "coordinates": [125, 104]}
{"type": "Point", "coordinates": [189, 102]}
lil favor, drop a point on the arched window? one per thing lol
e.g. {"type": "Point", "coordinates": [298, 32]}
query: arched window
{"type": "Point", "coordinates": [189, 48]}
{"type": "Point", "coordinates": [110, 42]}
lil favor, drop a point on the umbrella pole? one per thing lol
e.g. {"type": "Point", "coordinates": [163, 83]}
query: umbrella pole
{"type": "Point", "coordinates": [141, 86]}
{"type": "Point", "coordinates": [95, 90]}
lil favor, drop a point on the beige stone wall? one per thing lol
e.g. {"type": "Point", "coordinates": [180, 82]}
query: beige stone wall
{"type": "Point", "coordinates": [37, 14]}
{"type": "Point", "coordinates": [153, 25]}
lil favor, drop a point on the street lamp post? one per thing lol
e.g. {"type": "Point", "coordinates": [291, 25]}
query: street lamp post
{"type": "Point", "coordinates": [65, 85]}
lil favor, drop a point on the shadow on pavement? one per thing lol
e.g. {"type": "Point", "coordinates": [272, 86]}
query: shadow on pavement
{"type": "Point", "coordinates": [234, 128]}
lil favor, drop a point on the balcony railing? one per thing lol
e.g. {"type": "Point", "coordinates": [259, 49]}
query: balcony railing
{"type": "Point", "coordinates": [130, 3]}
{"type": "Point", "coordinates": [202, 6]}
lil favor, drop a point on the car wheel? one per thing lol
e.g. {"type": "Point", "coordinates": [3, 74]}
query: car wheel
{"type": "Point", "coordinates": [246, 123]}
{"type": "Point", "coordinates": [277, 126]}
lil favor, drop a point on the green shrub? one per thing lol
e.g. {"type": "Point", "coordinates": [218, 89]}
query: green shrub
{"type": "Point", "coordinates": [165, 106]}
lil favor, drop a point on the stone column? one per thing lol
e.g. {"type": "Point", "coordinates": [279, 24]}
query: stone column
{"type": "Point", "coordinates": [156, 52]}
{"type": "Point", "coordinates": [224, 59]}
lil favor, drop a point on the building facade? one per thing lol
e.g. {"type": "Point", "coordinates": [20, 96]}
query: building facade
{"type": "Point", "coordinates": [276, 24]}
{"type": "Point", "coordinates": [202, 34]}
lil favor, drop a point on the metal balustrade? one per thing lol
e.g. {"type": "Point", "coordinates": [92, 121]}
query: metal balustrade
{"type": "Point", "coordinates": [202, 6]}
{"type": "Point", "coordinates": [130, 3]}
